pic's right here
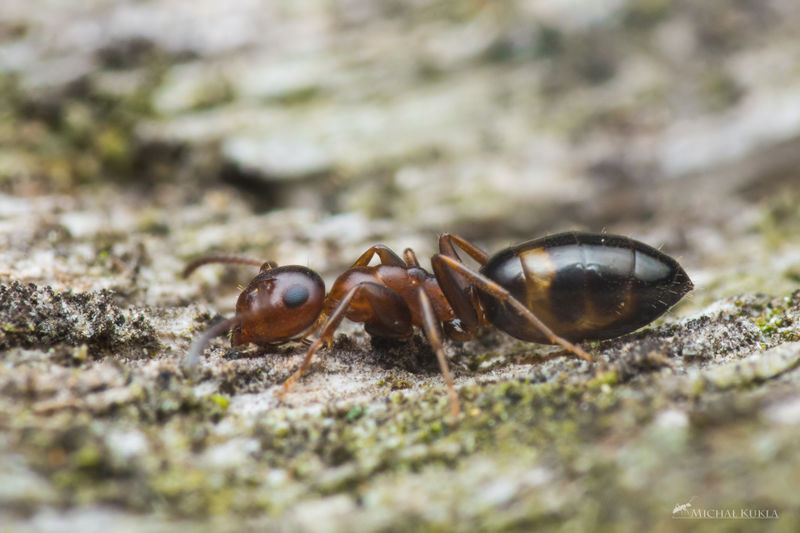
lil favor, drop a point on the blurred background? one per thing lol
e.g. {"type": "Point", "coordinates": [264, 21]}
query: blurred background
{"type": "Point", "coordinates": [138, 135]}
{"type": "Point", "coordinates": [304, 131]}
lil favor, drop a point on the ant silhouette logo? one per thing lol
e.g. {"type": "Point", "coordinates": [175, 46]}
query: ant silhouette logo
{"type": "Point", "coordinates": [682, 508]}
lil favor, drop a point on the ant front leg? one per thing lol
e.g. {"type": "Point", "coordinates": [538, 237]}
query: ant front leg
{"type": "Point", "coordinates": [382, 310]}
{"type": "Point", "coordinates": [481, 282]}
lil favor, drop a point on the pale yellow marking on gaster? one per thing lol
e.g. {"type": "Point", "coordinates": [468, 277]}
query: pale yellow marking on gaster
{"type": "Point", "coordinates": [539, 273]}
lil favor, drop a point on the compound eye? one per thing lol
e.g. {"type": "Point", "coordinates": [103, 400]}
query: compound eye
{"type": "Point", "coordinates": [295, 296]}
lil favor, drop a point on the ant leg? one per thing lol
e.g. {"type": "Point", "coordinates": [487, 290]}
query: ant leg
{"type": "Point", "coordinates": [228, 259]}
{"type": "Point", "coordinates": [383, 311]}
{"type": "Point", "coordinates": [458, 292]}
{"type": "Point", "coordinates": [430, 324]}
{"type": "Point", "coordinates": [492, 288]}
{"type": "Point", "coordinates": [447, 240]}
{"type": "Point", "coordinates": [410, 258]}
{"type": "Point", "coordinates": [462, 299]}
{"type": "Point", "coordinates": [384, 253]}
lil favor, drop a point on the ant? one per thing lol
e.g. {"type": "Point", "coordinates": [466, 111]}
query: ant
{"type": "Point", "coordinates": [559, 289]}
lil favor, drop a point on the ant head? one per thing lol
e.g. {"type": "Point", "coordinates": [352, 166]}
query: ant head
{"type": "Point", "coordinates": [278, 304]}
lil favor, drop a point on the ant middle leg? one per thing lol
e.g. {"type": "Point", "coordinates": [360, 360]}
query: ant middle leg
{"type": "Point", "coordinates": [453, 266]}
{"type": "Point", "coordinates": [433, 331]}
{"type": "Point", "coordinates": [410, 258]}
{"type": "Point", "coordinates": [387, 256]}
{"type": "Point", "coordinates": [384, 253]}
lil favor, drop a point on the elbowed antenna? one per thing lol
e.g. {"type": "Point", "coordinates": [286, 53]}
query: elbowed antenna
{"type": "Point", "coordinates": [225, 259]}
{"type": "Point", "coordinates": [193, 356]}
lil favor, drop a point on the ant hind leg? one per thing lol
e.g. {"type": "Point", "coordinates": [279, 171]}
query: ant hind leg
{"type": "Point", "coordinates": [448, 242]}
{"type": "Point", "coordinates": [481, 282]}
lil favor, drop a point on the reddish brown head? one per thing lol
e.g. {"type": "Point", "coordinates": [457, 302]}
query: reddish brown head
{"type": "Point", "coordinates": [278, 304]}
